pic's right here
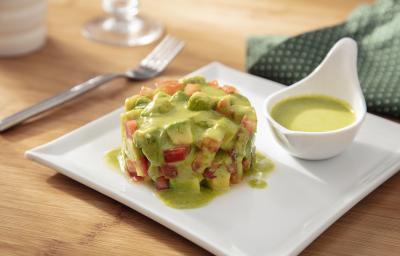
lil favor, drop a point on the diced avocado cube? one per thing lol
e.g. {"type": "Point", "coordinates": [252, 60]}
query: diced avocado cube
{"type": "Point", "coordinates": [213, 91]}
{"type": "Point", "coordinates": [230, 129]}
{"type": "Point", "coordinates": [131, 102]}
{"type": "Point", "coordinates": [206, 159]}
{"type": "Point", "coordinates": [142, 102]}
{"type": "Point", "coordinates": [179, 96]}
{"type": "Point", "coordinates": [149, 141]}
{"type": "Point", "coordinates": [154, 172]}
{"type": "Point", "coordinates": [180, 132]}
{"type": "Point", "coordinates": [238, 99]}
{"type": "Point", "coordinates": [159, 105]}
{"type": "Point", "coordinates": [127, 145]}
{"type": "Point", "coordinates": [216, 133]}
{"type": "Point", "coordinates": [194, 80]}
{"type": "Point", "coordinates": [204, 119]}
{"type": "Point", "coordinates": [201, 101]}
{"type": "Point", "coordinates": [239, 112]}
{"type": "Point", "coordinates": [185, 184]}
{"type": "Point", "coordinates": [221, 180]}
{"type": "Point", "coordinates": [133, 114]}
{"type": "Point", "coordinates": [241, 142]}
{"type": "Point", "coordinates": [136, 101]}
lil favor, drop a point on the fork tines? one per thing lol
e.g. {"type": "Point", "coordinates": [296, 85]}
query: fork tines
{"type": "Point", "coordinates": [162, 54]}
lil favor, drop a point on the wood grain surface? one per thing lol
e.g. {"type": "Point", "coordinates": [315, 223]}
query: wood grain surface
{"type": "Point", "coordinates": [45, 213]}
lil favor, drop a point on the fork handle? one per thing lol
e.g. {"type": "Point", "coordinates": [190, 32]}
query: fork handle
{"type": "Point", "coordinates": [55, 100]}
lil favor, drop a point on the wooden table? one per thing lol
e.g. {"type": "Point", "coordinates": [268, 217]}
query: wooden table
{"type": "Point", "coordinates": [45, 213]}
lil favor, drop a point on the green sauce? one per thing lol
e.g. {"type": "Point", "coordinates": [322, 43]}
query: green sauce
{"type": "Point", "coordinates": [313, 113]}
{"type": "Point", "coordinates": [186, 199]}
{"type": "Point", "coordinates": [257, 183]}
{"type": "Point", "coordinates": [182, 199]}
{"type": "Point", "coordinates": [111, 158]}
{"type": "Point", "coordinates": [259, 171]}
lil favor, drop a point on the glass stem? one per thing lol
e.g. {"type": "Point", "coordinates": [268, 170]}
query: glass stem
{"type": "Point", "coordinates": [123, 10]}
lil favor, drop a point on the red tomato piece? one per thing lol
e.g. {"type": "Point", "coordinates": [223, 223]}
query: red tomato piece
{"type": "Point", "coordinates": [169, 171]}
{"type": "Point", "coordinates": [197, 162]}
{"type": "Point", "coordinates": [235, 178]}
{"type": "Point", "coordinates": [169, 86]}
{"type": "Point", "coordinates": [213, 83]}
{"type": "Point", "coordinates": [223, 107]}
{"type": "Point", "coordinates": [231, 168]}
{"type": "Point", "coordinates": [130, 166]}
{"type": "Point", "coordinates": [250, 125]}
{"type": "Point", "coordinates": [208, 174]}
{"type": "Point", "coordinates": [175, 154]}
{"type": "Point", "coordinates": [246, 164]}
{"type": "Point", "coordinates": [130, 128]}
{"type": "Point", "coordinates": [162, 183]}
{"type": "Point", "coordinates": [228, 89]}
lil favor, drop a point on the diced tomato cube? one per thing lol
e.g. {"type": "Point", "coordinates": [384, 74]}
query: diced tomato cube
{"type": "Point", "coordinates": [162, 183]}
{"type": "Point", "coordinates": [197, 162]}
{"type": "Point", "coordinates": [231, 167]}
{"type": "Point", "coordinates": [168, 171]}
{"type": "Point", "coordinates": [210, 144]}
{"type": "Point", "coordinates": [246, 164]}
{"type": "Point", "coordinates": [213, 83]}
{"type": "Point", "coordinates": [235, 178]}
{"type": "Point", "coordinates": [130, 166]}
{"type": "Point", "coordinates": [191, 88]}
{"type": "Point", "coordinates": [208, 174]}
{"type": "Point", "coordinates": [228, 89]}
{"type": "Point", "coordinates": [223, 107]}
{"type": "Point", "coordinates": [176, 154]}
{"type": "Point", "coordinates": [215, 166]}
{"type": "Point", "coordinates": [136, 177]}
{"type": "Point", "coordinates": [169, 86]}
{"type": "Point", "coordinates": [250, 125]}
{"type": "Point", "coordinates": [130, 128]}
{"type": "Point", "coordinates": [144, 163]}
{"type": "Point", "coordinates": [146, 91]}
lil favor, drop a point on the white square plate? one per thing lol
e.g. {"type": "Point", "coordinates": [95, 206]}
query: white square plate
{"type": "Point", "coordinates": [302, 198]}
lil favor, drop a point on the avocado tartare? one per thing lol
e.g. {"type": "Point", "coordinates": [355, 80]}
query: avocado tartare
{"type": "Point", "coordinates": [188, 134]}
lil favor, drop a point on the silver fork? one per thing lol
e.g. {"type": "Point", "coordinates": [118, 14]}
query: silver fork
{"type": "Point", "coordinates": [151, 66]}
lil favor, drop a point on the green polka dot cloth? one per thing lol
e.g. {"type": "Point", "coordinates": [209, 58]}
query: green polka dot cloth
{"type": "Point", "coordinates": [376, 28]}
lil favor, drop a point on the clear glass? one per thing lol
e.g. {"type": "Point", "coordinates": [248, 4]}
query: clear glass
{"type": "Point", "coordinates": [123, 26]}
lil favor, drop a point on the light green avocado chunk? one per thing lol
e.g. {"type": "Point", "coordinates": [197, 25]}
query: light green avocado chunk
{"type": "Point", "coordinates": [230, 129]}
{"type": "Point", "coordinates": [179, 96]}
{"type": "Point", "coordinates": [142, 102]}
{"type": "Point", "coordinates": [131, 102]}
{"type": "Point", "coordinates": [149, 141]}
{"type": "Point", "coordinates": [180, 132]}
{"type": "Point", "coordinates": [221, 180]}
{"type": "Point", "coordinates": [216, 133]}
{"type": "Point", "coordinates": [159, 105]}
{"type": "Point", "coordinates": [201, 101]}
{"type": "Point", "coordinates": [136, 101]}
{"type": "Point", "coordinates": [194, 80]}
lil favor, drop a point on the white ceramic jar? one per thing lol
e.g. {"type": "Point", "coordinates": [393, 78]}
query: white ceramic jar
{"type": "Point", "coordinates": [22, 26]}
